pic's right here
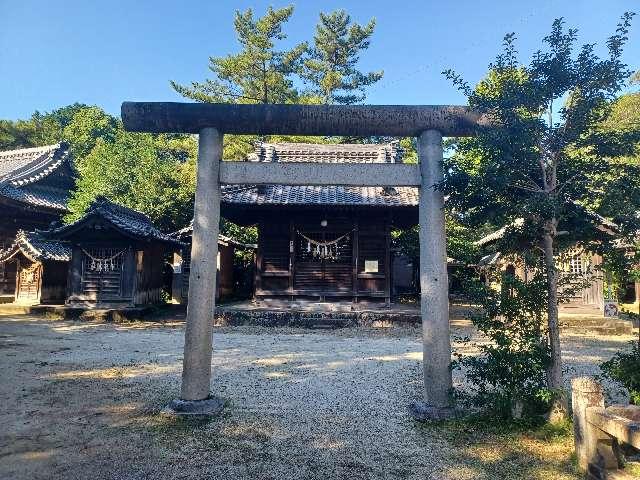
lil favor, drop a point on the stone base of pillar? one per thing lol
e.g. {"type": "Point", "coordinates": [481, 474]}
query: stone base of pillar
{"type": "Point", "coordinates": [208, 407]}
{"type": "Point", "coordinates": [424, 412]}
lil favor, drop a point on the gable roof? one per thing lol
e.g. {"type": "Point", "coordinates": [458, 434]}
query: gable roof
{"type": "Point", "coordinates": [338, 195]}
{"type": "Point", "coordinates": [22, 171]}
{"type": "Point", "coordinates": [601, 223]}
{"type": "Point", "coordinates": [187, 231]}
{"type": "Point", "coordinates": [36, 247]}
{"type": "Point", "coordinates": [130, 222]}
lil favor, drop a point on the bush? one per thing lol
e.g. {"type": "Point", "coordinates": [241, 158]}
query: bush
{"type": "Point", "coordinates": [624, 368]}
{"type": "Point", "coordinates": [508, 377]}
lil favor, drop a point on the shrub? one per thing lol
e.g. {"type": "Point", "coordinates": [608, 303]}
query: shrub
{"type": "Point", "coordinates": [624, 368]}
{"type": "Point", "coordinates": [508, 377]}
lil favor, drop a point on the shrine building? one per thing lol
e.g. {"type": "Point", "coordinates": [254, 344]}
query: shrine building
{"type": "Point", "coordinates": [323, 242]}
{"type": "Point", "coordinates": [35, 184]}
{"type": "Point", "coordinates": [117, 257]}
{"type": "Point", "coordinates": [40, 267]}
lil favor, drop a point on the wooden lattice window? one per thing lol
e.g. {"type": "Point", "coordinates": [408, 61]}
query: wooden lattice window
{"type": "Point", "coordinates": [577, 265]}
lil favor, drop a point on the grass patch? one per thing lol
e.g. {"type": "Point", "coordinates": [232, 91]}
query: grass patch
{"type": "Point", "coordinates": [498, 448]}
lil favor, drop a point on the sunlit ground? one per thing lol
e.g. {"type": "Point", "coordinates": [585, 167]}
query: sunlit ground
{"type": "Point", "coordinates": [82, 401]}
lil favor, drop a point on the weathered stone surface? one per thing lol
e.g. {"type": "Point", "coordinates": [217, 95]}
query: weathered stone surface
{"type": "Point", "coordinates": [586, 392]}
{"type": "Point", "coordinates": [296, 318]}
{"type": "Point", "coordinates": [434, 285]}
{"type": "Point", "coordinates": [264, 119]}
{"type": "Point", "coordinates": [304, 173]}
{"type": "Point", "coordinates": [86, 314]}
{"type": "Point", "coordinates": [198, 341]}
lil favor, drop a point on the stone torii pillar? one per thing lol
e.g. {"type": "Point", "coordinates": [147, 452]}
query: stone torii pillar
{"type": "Point", "coordinates": [195, 397]}
{"type": "Point", "coordinates": [427, 122]}
{"type": "Point", "coordinates": [434, 284]}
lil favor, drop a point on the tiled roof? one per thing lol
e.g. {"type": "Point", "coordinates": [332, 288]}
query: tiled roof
{"type": "Point", "coordinates": [315, 195]}
{"type": "Point", "coordinates": [129, 221]}
{"type": "Point", "coordinates": [20, 170]}
{"type": "Point", "coordinates": [489, 260]}
{"type": "Point", "coordinates": [37, 248]}
{"type": "Point", "coordinates": [325, 195]}
{"type": "Point", "coordinates": [38, 196]}
{"type": "Point", "coordinates": [498, 234]}
{"type": "Point", "coordinates": [28, 165]}
{"type": "Point", "coordinates": [601, 223]}
{"type": "Point", "coordinates": [187, 231]}
{"type": "Point", "coordinates": [328, 153]}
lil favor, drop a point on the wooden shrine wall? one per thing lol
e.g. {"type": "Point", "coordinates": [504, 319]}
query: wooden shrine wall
{"type": "Point", "coordinates": [359, 265]}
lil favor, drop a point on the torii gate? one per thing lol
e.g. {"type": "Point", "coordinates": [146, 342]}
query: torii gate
{"type": "Point", "coordinates": [211, 121]}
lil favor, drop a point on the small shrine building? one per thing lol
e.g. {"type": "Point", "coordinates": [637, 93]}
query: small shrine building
{"type": "Point", "coordinates": [323, 242]}
{"type": "Point", "coordinates": [117, 257]}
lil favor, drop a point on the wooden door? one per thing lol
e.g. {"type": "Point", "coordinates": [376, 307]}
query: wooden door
{"type": "Point", "coordinates": [28, 282]}
{"type": "Point", "coordinates": [102, 273]}
{"type": "Point", "coordinates": [314, 274]}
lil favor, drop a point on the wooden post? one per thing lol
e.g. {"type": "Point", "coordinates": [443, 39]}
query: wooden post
{"type": "Point", "coordinates": [434, 288]}
{"type": "Point", "coordinates": [292, 256]}
{"type": "Point", "coordinates": [195, 397]}
{"type": "Point", "coordinates": [258, 272]}
{"type": "Point", "coordinates": [387, 262]}
{"type": "Point", "coordinates": [355, 253]}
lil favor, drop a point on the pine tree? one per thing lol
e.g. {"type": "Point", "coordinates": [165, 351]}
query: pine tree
{"type": "Point", "coordinates": [259, 73]}
{"type": "Point", "coordinates": [331, 68]}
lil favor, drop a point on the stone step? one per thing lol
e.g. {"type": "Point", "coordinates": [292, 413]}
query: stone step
{"type": "Point", "coordinates": [125, 314]}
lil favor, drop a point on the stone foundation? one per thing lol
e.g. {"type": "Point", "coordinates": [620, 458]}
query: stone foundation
{"type": "Point", "coordinates": [314, 319]}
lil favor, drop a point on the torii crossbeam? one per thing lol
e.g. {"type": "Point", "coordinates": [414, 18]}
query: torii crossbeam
{"type": "Point", "coordinates": [427, 122]}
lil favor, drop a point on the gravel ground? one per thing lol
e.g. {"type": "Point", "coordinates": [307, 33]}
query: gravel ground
{"type": "Point", "coordinates": [81, 401]}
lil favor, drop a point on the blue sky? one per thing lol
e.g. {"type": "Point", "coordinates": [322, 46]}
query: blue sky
{"type": "Point", "coordinates": [53, 53]}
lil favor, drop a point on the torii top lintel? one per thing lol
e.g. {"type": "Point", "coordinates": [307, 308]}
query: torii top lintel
{"type": "Point", "coordinates": [270, 119]}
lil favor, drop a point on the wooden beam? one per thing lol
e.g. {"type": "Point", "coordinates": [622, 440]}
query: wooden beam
{"type": "Point", "coordinates": [265, 119]}
{"type": "Point", "coordinates": [304, 173]}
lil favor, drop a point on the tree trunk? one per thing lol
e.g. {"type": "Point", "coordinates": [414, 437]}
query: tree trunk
{"type": "Point", "coordinates": [560, 406]}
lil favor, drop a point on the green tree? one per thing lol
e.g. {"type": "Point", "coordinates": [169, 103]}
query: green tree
{"type": "Point", "coordinates": [541, 150]}
{"type": "Point", "coordinates": [507, 377]}
{"type": "Point", "coordinates": [17, 134]}
{"type": "Point", "coordinates": [142, 171]}
{"type": "Point", "coordinates": [331, 67]}
{"type": "Point", "coordinates": [85, 128]}
{"type": "Point", "coordinates": [259, 73]}
{"type": "Point", "coordinates": [41, 129]}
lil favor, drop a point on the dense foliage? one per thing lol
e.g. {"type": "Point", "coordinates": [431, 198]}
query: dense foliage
{"type": "Point", "coordinates": [624, 368]}
{"type": "Point", "coordinates": [508, 376]}
{"type": "Point", "coordinates": [40, 129]}
{"type": "Point", "coordinates": [154, 174]}
{"type": "Point", "coordinates": [541, 155]}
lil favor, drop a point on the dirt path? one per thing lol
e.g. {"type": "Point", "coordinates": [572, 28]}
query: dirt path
{"type": "Point", "coordinates": [81, 401]}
